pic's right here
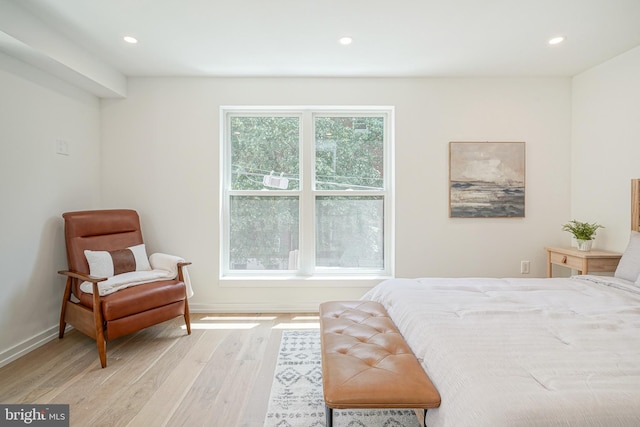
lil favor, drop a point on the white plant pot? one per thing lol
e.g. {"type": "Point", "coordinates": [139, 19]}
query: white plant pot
{"type": "Point", "coordinates": [584, 245]}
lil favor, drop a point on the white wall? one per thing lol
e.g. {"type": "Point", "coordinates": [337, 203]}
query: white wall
{"type": "Point", "coordinates": [161, 157]}
{"type": "Point", "coordinates": [36, 187]}
{"type": "Point", "coordinates": [606, 146]}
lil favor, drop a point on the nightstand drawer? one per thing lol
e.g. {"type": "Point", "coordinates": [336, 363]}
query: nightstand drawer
{"type": "Point", "coordinates": [566, 260]}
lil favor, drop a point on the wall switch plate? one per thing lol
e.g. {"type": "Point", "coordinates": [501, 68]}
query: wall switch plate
{"type": "Point", "coordinates": [524, 267]}
{"type": "Point", "coordinates": [62, 147]}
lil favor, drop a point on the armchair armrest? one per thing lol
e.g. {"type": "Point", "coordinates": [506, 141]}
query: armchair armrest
{"type": "Point", "coordinates": [85, 278]}
{"type": "Point", "coordinates": [176, 265]}
{"type": "Point", "coordinates": [82, 276]}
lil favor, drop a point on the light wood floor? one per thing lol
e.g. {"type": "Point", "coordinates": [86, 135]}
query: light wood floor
{"type": "Point", "coordinates": [218, 376]}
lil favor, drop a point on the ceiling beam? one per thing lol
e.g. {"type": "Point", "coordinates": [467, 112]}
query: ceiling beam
{"type": "Point", "coordinates": [30, 40]}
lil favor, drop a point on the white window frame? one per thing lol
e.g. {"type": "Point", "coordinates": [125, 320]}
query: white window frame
{"type": "Point", "coordinates": [307, 193]}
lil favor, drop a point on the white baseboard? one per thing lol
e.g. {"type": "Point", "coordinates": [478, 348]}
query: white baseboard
{"type": "Point", "coordinates": [28, 345]}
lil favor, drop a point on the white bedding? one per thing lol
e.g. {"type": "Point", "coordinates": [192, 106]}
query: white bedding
{"type": "Point", "coordinates": [523, 352]}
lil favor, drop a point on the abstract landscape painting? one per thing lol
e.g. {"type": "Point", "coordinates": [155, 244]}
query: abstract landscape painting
{"type": "Point", "coordinates": [486, 179]}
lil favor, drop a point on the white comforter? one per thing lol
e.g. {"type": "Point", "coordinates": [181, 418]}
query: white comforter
{"type": "Point", "coordinates": [523, 352]}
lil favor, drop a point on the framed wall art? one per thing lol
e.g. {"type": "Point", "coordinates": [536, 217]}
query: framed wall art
{"type": "Point", "coordinates": [486, 179]}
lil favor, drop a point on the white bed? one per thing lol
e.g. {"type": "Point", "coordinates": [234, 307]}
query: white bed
{"type": "Point", "coordinates": [526, 352]}
{"type": "Point", "coordinates": [523, 352]}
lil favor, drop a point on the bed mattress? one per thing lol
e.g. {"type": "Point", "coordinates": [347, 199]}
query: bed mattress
{"type": "Point", "coordinates": [523, 352]}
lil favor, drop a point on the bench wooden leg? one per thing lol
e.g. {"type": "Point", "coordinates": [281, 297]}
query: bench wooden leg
{"type": "Point", "coordinates": [329, 415]}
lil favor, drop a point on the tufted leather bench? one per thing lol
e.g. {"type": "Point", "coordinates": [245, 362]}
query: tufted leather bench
{"type": "Point", "coordinates": [366, 362]}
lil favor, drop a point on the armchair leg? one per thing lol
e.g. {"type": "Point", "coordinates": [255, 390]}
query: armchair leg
{"type": "Point", "coordinates": [187, 317]}
{"type": "Point", "coordinates": [63, 311]}
{"type": "Point", "coordinates": [101, 342]}
{"type": "Point", "coordinates": [102, 351]}
{"type": "Point", "coordinates": [63, 324]}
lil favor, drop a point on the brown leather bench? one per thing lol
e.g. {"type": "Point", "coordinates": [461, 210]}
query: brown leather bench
{"type": "Point", "coordinates": [366, 362]}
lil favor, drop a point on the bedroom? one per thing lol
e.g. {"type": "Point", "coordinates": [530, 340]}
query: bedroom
{"type": "Point", "coordinates": [581, 133]}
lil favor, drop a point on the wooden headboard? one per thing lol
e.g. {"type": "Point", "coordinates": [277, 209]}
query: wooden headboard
{"type": "Point", "coordinates": [635, 204]}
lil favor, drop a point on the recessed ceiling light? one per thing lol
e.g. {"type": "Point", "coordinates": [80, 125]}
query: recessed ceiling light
{"type": "Point", "coordinates": [130, 39]}
{"type": "Point", "coordinates": [556, 40]}
{"type": "Point", "coordinates": [345, 40]}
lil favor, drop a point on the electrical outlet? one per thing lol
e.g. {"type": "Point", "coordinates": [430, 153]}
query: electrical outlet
{"type": "Point", "coordinates": [524, 267]}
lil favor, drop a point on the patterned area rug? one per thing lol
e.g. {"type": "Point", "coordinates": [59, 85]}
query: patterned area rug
{"type": "Point", "coordinates": [296, 394]}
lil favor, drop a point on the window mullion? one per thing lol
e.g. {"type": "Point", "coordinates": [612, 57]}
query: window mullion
{"type": "Point", "coordinates": [307, 198]}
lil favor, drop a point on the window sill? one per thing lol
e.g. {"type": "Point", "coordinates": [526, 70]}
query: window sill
{"type": "Point", "coordinates": [285, 281]}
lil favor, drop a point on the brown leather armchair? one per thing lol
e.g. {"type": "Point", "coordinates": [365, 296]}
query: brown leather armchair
{"type": "Point", "coordinates": [105, 317]}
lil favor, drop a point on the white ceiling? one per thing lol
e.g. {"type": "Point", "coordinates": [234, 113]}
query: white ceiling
{"type": "Point", "coordinates": [300, 37]}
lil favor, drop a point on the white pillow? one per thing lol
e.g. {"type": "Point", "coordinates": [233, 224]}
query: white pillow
{"type": "Point", "coordinates": [629, 266]}
{"type": "Point", "coordinates": [111, 263]}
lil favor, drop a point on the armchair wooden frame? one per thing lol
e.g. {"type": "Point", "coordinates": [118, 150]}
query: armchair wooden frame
{"type": "Point", "coordinates": [86, 312]}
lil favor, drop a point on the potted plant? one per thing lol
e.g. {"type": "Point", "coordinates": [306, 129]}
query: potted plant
{"type": "Point", "coordinates": [584, 233]}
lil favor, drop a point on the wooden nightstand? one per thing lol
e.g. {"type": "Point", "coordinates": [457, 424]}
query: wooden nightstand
{"type": "Point", "coordinates": [594, 261]}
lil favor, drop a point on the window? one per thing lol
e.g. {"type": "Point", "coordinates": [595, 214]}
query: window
{"type": "Point", "coordinates": [307, 191]}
